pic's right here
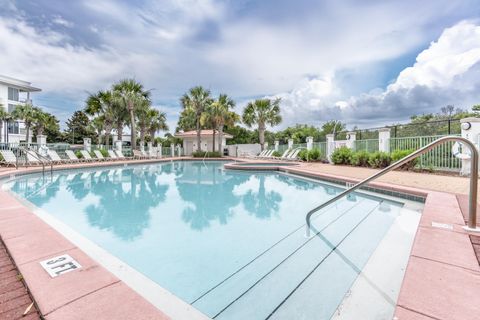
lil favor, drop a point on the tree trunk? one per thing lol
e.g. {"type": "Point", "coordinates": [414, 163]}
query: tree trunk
{"type": "Point", "coordinates": [142, 137]}
{"type": "Point", "coordinates": [198, 133]}
{"type": "Point", "coordinates": [108, 131]}
{"type": "Point", "coordinates": [213, 141]}
{"type": "Point", "coordinates": [119, 130]}
{"type": "Point", "coordinates": [220, 138]}
{"type": "Point", "coordinates": [27, 127]}
{"type": "Point", "coordinates": [133, 131]}
{"type": "Point", "coordinates": [261, 135]}
{"type": "Point", "coordinates": [1, 130]}
{"type": "Point", "coordinates": [152, 135]}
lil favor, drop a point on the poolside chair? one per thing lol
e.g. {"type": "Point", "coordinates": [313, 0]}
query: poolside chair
{"type": "Point", "coordinates": [9, 158]}
{"type": "Point", "coordinates": [294, 155]}
{"type": "Point", "coordinates": [99, 155]}
{"type": "Point", "coordinates": [55, 158]}
{"type": "Point", "coordinates": [138, 154]}
{"type": "Point", "coordinates": [120, 155]}
{"type": "Point", "coordinates": [32, 157]}
{"type": "Point", "coordinates": [112, 155]}
{"type": "Point", "coordinates": [268, 154]}
{"type": "Point", "coordinates": [285, 154]}
{"type": "Point", "coordinates": [86, 155]}
{"type": "Point", "coordinates": [72, 156]}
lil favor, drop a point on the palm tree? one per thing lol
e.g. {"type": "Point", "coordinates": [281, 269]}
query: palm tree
{"type": "Point", "coordinates": [103, 105]}
{"type": "Point", "coordinates": [262, 112]}
{"type": "Point", "coordinates": [197, 99]}
{"type": "Point", "coordinates": [4, 116]}
{"type": "Point", "coordinates": [225, 115]}
{"type": "Point", "coordinates": [26, 113]}
{"type": "Point", "coordinates": [209, 119]}
{"type": "Point", "coordinates": [43, 120]}
{"type": "Point", "coordinates": [143, 116]}
{"type": "Point", "coordinates": [158, 121]}
{"type": "Point", "coordinates": [132, 95]}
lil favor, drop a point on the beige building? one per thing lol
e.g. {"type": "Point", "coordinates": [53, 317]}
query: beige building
{"type": "Point", "coordinates": [206, 140]}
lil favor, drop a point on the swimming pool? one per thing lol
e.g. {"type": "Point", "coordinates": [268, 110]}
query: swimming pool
{"type": "Point", "coordinates": [231, 243]}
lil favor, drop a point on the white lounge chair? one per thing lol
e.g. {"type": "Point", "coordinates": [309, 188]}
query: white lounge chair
{"type": "Point", "coordinates": [32, 158]}
{"type": "Point", "coordinates": [54, 157]}
{"type": "Point", "coordinates": [267, 154]}
{"type": "Point", "coordinates": [99, 155]}
{"type": "Point", "coordinates": [9, 158]}
{"type": "Point", "coordinates": [120, 155]}
{"type": "Point", "coordinates": [285, 154]}
{"type": "Point", "coordinates": [138, 154]}
{"type": "Point", "coordinates": [293, 155]}
{"type": "Point", "coordinates": [86, 155]}
{"type": "Point", "coordinates": [112, 155]}
{"type": "Point", "coordinates": [72, 156]}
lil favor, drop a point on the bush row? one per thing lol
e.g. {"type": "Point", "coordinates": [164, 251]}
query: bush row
{"type": "Point", "coordinates": [209, 154]}
{"type": "Point", "coordinates": [376, 159]}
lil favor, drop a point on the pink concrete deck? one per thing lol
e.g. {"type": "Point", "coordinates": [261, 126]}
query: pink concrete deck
{"type": "Point", "coordinates": [442, 279]}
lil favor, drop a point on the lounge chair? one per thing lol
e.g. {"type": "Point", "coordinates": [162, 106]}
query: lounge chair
{"type": "Point", "coordinates": [86, 155]}
{"type": "Point", "coordinates": [267, 154]}
{"type": "Point", "coordinates": [55, 158]}
{"type": "Point", "coordinates": [112, 155]}
{"type": "Point", "coordinates": [99, 155]}
{"type": "Point", "coordinates": [138, 155]}
{"type": "Point", "coordinates": [294, 155]}
{"type": "Point", "coordinates": [32, 157]}
{"type": "Point", "coordinates": [285, 154]}
{"type": "Point", "coordinates": [9, 158]}
{"type": "Point", "coordinates": [120, 155]}
{"type": "Point", "coordinates": [72, 156]}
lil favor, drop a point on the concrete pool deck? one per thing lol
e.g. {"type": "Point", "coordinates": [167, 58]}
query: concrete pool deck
{"type": "Point", "coordinates": [441, 281]}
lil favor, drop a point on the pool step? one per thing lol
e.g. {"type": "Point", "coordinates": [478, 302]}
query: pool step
{"type": "Point", "coordinates": [277, 267]}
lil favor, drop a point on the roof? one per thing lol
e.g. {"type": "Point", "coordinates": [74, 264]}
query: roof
{"type": "Point", "coordinates": [23, 86]}
{"type": "Point", "coordinates": [204, 133]}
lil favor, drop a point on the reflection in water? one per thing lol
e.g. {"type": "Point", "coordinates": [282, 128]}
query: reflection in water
{"type": "Point", "coordinates": [262, 204]}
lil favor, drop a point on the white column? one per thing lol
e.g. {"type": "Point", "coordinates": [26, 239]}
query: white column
{"type": "Point", "coordinates": [471, 131]}
{"type": "Point", "coordinates": [265, 145]}
{"type": "Point", "coordinates": [330, 146]}
{"type": "Point", "coordinates": [351, 137]}
{"type": "Point", "coordinates": [87, 144]}
{"type": "Point", "coordinates": [172, 150]}
{"type": "Point", "coordinates": [276, 145]}
{"type": "Point", "coordinates": [41, 140]}
{"type": "Point", "coordinates": [384, 139]}
{"type": "Point", "coordinates": [118, 145]}
{"type": "Point", "coordinates": [309, 143]}
{"type": "Point", "coordinates": [179, 150]}
{"type": "Point", "coordinates": [159, 150]}
{"type": "Point", "coordinates": [150, 148]}
{"type": "Point", "coordinates": [290, 143]}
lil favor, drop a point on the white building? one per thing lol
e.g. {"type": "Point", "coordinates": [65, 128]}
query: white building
{"type": "Point", "coordinates": [14, 92]}
{"type": "Point", "coordinates": [206, 140]}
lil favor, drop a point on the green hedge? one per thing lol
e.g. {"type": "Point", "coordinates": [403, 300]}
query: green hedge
{"type": "Point", "coordinates": [342, 155]}
{"type": "Point", "coordinates": [310, 155]}
{"type": "Point", "coordinates": [377, 159]}
{"type": "Point", "coordinates": [209, 154]}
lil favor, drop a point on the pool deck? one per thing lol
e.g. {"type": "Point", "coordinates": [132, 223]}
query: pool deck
{"type": "Point", "coordinates": [442, 278]}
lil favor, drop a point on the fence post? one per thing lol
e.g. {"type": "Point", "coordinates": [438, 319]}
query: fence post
{"type": "Point", "coordinates": [276, 145]}
{"type": "Point", "coordinates": [330, 146]}
{"type": "Point", "coordinates": [172, 149]}
{"type": "Point", "coordinates": [309, 143]}
{"type": "Point", "coordinates": [150, 148]}
{"type": "Point", "coordinates": [384, 139]}
{"type": "Point", "coordinates": [265, 145]}
{"type": "Point", "coordinates": [471, 131]}
{"type": "Point", "coordinates": [290, 144]}
{"type": "Point", "coordinates": [159, 150]}
{"type": "Point", "coordinates": [87, 144]}
{"type": "Point", "coordinates": [118, 145]}
{"type": "Point", "coordinates": [351, 137]}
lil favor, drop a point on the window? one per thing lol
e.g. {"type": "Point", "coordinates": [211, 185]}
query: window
{"type": "Point", "coordinates": [13, 128]}
{"type": "Point", "coordinates": [11, 107]}
{"type": "Point", "coordinates": [13, 94]}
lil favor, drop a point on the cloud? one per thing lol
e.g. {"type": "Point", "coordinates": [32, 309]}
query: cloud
{"type": "Point", "coordinates": [447, 72]}
{"type": "Point", "coordinates": [62, 22]}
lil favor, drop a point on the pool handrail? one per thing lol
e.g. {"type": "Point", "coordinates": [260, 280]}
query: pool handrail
{"type": "Point", "coordinates": [472, 205]}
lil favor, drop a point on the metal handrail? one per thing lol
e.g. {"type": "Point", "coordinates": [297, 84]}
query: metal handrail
{"type": "Point", "coordinates": [37, 156]}
{"type": "Point", "coordinates": [472, 206]}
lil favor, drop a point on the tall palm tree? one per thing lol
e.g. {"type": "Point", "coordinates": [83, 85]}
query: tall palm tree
{"type": "Point", "coordinates": [209, 119]}
{"type": "Point", "coordinates": [132, 95]}
{"type": "Point", "coordinates": [143, 119]}
{"type": "Point", "coordinates": [158, 122]}
{"type": "Point", "coordinates": [262, 112]}
{"type": "Point", "coordinates": [104, 105]}
{"type": "Point", "coordinates": [225, 116]}
{"type": "Point", "coordinates": [43, 120]}
{"type": "Point", "coordinates": [197, 99]}
{"type": "Point", "coordinates": [26, 113]}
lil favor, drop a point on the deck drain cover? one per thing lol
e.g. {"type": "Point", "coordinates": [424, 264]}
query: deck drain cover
{"type": "Point", "coordinates": [442, 225]}
{"type": "Point", "coordinates": [57, 266]}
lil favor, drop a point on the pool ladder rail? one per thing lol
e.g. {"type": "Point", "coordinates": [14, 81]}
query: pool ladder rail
{"type": "Point", "coordinates": [41, 159]}
{"type": "Point", "coordinates": [472, 205]}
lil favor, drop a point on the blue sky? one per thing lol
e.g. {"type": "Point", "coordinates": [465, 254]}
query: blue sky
{"type": "Point", "coordinates": [365, 62]}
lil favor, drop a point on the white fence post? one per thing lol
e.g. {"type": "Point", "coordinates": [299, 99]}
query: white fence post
{"type": "Point", "coordinates": [159, 150]}
{"type": "Point", "coordinates": [179, 150]}
{"type": "Point", "coordinates": [172, 149]}
{"type": "Point", "coordinates": [471, 131]}
{"type": "Point", "coordinates": [118, 145]}
{"type": "Point", "coordinates": [384, 139]}
{"type": "Point", "coordinates": [150, 148]}
{"type": "Point", "coordinates": [276, 145]}
{"type": "Point", "coordinates": [87, 144]}
{"type": "Point", "coordinates": [330, 146]}
{"type": "Point", "coordinates": [309, 143]}
{"type": "Point", "coordinates": [290, 144]}
{"type": "Point", "coordinates": [351, 137]}
{"type": "Point", "coordinates": [265, 145]}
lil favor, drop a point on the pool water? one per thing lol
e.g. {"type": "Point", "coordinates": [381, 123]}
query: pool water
{"type": "Point", "coordinates": [231, 243]}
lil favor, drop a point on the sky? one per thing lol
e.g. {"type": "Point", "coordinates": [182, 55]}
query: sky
{"type": "Point", "coordinates": [365, 62]}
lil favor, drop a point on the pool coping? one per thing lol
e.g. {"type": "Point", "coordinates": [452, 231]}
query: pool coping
{"type": "Point", "coordinates": [441, 261]}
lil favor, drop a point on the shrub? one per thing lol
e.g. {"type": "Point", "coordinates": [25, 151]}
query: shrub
{"type": "Point", "coordinates": [78, 154]}
{"type": "Point", "coordinates": [206, 154]}
{"type": "Point", "coordinates": [400, 154]}
{"type": "Point", "coordinates": [1, 157]}
{"type": "Point", "coordinates": [360, 158]}
{"type": "Point", "coordinates": [379, 159]}
{"type": "Point", "coordinates": [342, 155]}
{"type": "Point", "coordinates": [276, 154]}
{"type": "Point", "coordinates": [314, 154]}
{"type": "Point", "coordinates": [303, 154]}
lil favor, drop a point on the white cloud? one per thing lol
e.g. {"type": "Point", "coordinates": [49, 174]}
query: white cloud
{"type": "Point", "coordinates": [59, 20]}
{"type": "Point", "coordinates": [448, 72]}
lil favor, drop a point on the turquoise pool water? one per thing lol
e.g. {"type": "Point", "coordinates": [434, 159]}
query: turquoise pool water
{"type": "Point", "coordinates": [231, 243]}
